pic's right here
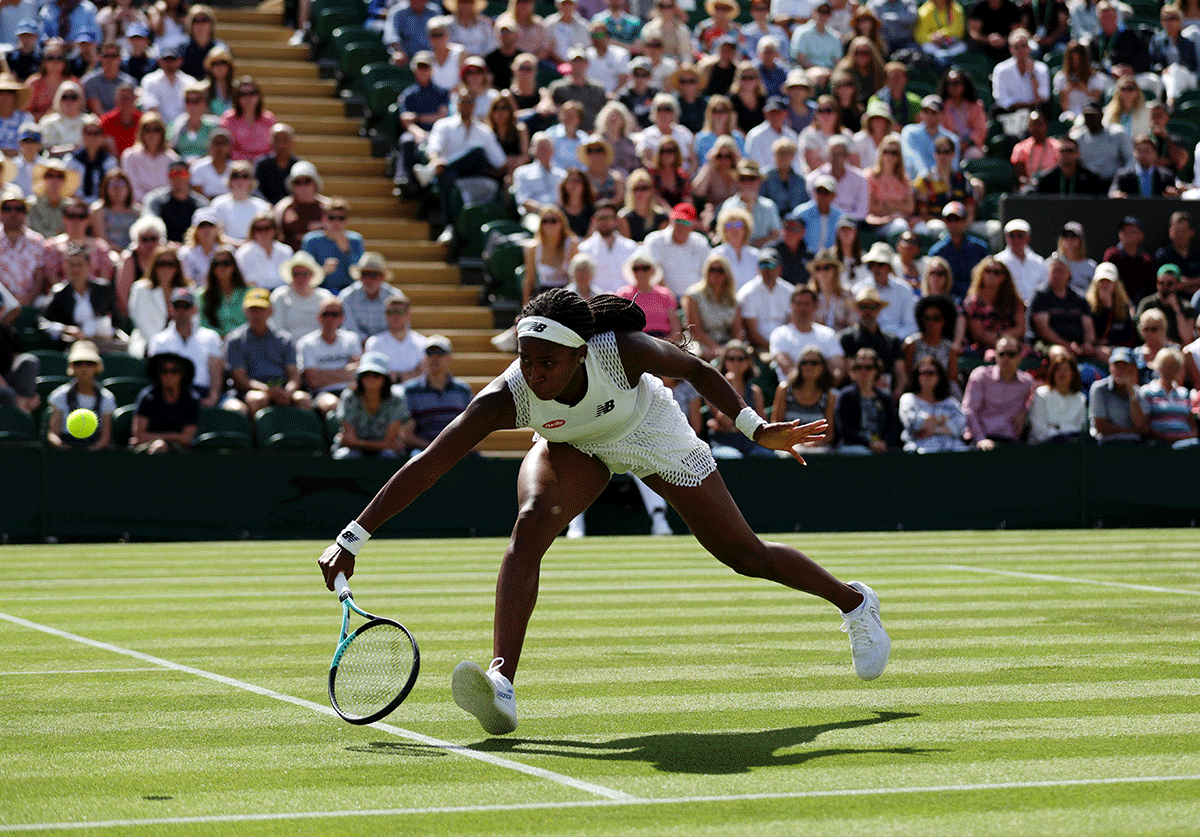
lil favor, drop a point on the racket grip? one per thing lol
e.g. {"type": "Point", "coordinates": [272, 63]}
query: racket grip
{"type": "Point", "coordinates": [341, 587]}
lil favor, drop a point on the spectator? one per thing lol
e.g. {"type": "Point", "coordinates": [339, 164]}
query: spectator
{"type": "Point", "coordinates": [993, 308]}
{"type": "Point", "coordinates": [75, 224]}
{"type": "Point", "coordinates": [1182, 250]}
{"type": "Point", "coordinates": [910, 265]}
{"type": "Point", "coordinates": [502, 57]}
{"type": "Point", "coordinates": [1070, 177]}
{"type": "Point", "coordinates": [260, 258]}
{"type": "Point", "coordinates": [405, 30]}
{"type": "Point", "coordinates": [1118, 412]}
{"type": "Point", "coordinates": [998, 397]}
{"type": "Point", "coordinates": [711, 310]}
{"type": "Point", "coordinates": [615, 124]}
{"type": "Point", "coordinates": [638, 95]}
{"type": "Point", "coordinates": [92, 160]}
{"type": "Point", "coordinates": [937, 327]}
{"type": "Point", "coordinates": [1145, 178]}
{"type": "Point", "coordinates": [1179, 316]}
{"type": "Point", "coordinates": [606, 247]}
{"type": "Point", "coordinates": [866, 413]}
{"type": "Point", "coordinates": [24, 57]}
{"type": "Point", "coordinates": [237, 208]}
{"type": "Point", "coordinates": [940, 30]}
{"type": "Point", "coordinates": [1152, 326]}
{"type": "Point", "coordinates": [748, 94]}
{"type": "Point", "coordinates": [665, 132]}
{"type": "Point", "coordinates": [896, 294]}
{"type": "Point", "coordinates": [815, 47]}
{"type": "Point", "coordinates": [1059, 409]}
{"type": "Point", "coordinates": [581, 270]}
{"type": "Point", "coordinates": [931, 418]}
{"type": "Point", "coordinates": [548, 254]}
{"type": "Point", "coordinates": [798, 90]}
{"type": "Point", "coordinates": [898, 22]}
{"type": "Point", "coordinates": [765, 301]}
{"type": "Point", "coordinates": [148, 162]}
{"type": "Point", "coordinates": [100, 85]}
{"type": "Point", "coordinates": [82, 393]}
{"type": "Point", "coordinates": [761, 139]}
{"type": "Point", "coordinates": [680, 250]}
{"type": "Point", "coordinates": [814, 141]}
{"type": "Point", "coordinates": [297, 303]}
{"type": "Point", "coordinates": [68, 21]}
{"type": "Point", "coordinates": [891, 194]}
{"type": "Point", "coordinates": [665, 27]}
{"type": "Point", "coordinates": [460, 146]}
{"type": "Point", "coordinates": [819, 215]}
{"type": "Point", "coordinates": [734, 226]}
{"type": "Point", "coordinates": [807, 395]}
{"type": "Point", "coordinates": [1061, 317]}
{"type": "Point", "coordinates": [14, 97]}
{"type": "Point", "coordinates": [147, 234]}
{"type": "Point", "coordinates": [1111, 313]}
{"type": "Point", "coordinates": [150, 298]}
{"type": "Point", "coordinates": [1171, 150]}
{"type": "Point", "coordinates": [867, 333]}
{"type": "Point", "coordinates": [301, 212]}
{"type": "Point", "coordinates": [512, 135]}
{"type": "Point", "coordinates": [328, 357]}
{"type": "Point", "coordinates": [962, 113]}
{"type": "Point", "coordinates": [176, 202]}
{"type": "Point", "coordinates": [1169, 419]}
{"type": "Point", "coordinates": [1073, 250]}
{"type": "Point", "coordinates": [640, 216]}
{"type": "Point", "coordinates": [536, 184]}
{"type": "Point", "coordinates": [596, 157]}
{"type": "Point", "coordinates": [717, 179]}
{"type": "Point", "coordinates": [373, 419]}
{"type": "Point", "coordinates": [163, 89]}
{"type": "Point", "coordinates": [273, 170]}
{"type": "Point", "coordinates": [621, 26]}
{"type": "Point", "coordinates": [863, 63]}
{"type": "Point", "coordinates": [1133, 265]}
{"type": "Point", "coordinates": [44, 84]}
{"type": "Point", "coordinates": [138, 63]}
{"type": "Point", "coordinates": [421, 105]}
{"type": "Point", "coordinates": [53, 184]}
{"type": "Point", "coordinates": [835, 304]}
{"type": "Point", "coordinates": [1028, 269]}
{"type": "Point", "coordinates": [448, 60]}
{"type": "Point", "coordinates": [211, 174]}
{"type": "Point", "coordinates": [643, 285]}
{"type": "Point", "coordinates": [1127, 108]}
{"type": "Point", "coordinates": [62, 127]}
{"type": "Point", "coordinates": [920, 139]}
{"type": "Point", "coordinates": [1020, 82]}
{"type": "Point", "coordinates": [736, 363]}
{"type": "Point", "coordinates": [262, 361]}
{"type": "Point", "coordinates": [470, 28]}
{"type": "Point", "coordinates": [167, 411]}
{"type": "Point", "coordinates": [334, 248]}
{"type": "Point", "coordinates": [765, 225]}
{"type": "Point", "coordinates": [990, 23]}
{"type": "Point", "coordinates": [576, 86]}
{"type": "Point", "coordinates": [782, 185]}
{"type": "Point", "coordinates": [962, 251]}
{"type": "Point", "coordinates": [22, 251]}
{"type": "Point", "coordinates": [1102, 149]}
{"type": "Point", "coordinates": [123, 123]}
{"type": "Point", "coordinates": [852, 194]}
{"type": "Point", "coordinates": [1050, 24]}
{"type": "Point", "coordinates": [435, 398]}
{"type": "Point", "coordinates": [1035, 155]}
{"type": "Point", "coordinates": [202, 346]}
{"type": "Point", "coordinates": [201, 28]}
{"type": "Point", "coordinates": [1172, 54]}
{"type": "Point", "coordinates": [788, 340]}
{"type": "Point", "coordinates": [82, 307]}
{"type": "Point", "coordinates": [877, 125]}
{"type": "Point", "coordinates": [403, 347]}
{"type": "Point", "coordinates": [365, 301]}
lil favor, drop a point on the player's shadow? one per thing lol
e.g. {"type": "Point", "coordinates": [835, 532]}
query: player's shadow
{"type": "Point", "coordinates": [708, 753]}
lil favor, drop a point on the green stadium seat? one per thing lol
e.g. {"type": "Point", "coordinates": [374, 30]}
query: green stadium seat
{"type": "Point", "coordinates": [32, 337]}
{"type": "Point", "coordinates": [17, 427]}
{"type": "Point", "coordinates": [988, 207]}
{"type": "Point", "coordinates": [470, 222]}
{"type": "Point", "coordinates": [327, 22]}
{"type": "Point", "coordinates": [52, 361]}
{"type": "Point", "coordinates": [996, 173]}
{"type": "Point", "coordinates": [501, 269]}
{"type": "Point", "coordinates": [46, 384]}
{"type": "Point", "coordinates": [122, 425]}
{"type": "Point", "coordinates": [219, 429]}
{"type": "Point", "coordinates": [122, 366]}
{"type": "Point", "coordinates": [288, 428]}
{"type": "Point", "coordinates": [126, 389]}
{"type": "Point", "coordinates": [355, 57]}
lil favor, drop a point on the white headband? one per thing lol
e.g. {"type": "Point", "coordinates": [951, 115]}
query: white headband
{"type": "Point", "coordinates": [546, 329]}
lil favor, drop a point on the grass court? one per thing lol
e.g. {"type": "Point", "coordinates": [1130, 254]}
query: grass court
{"type": "Point", "coordinates": [1041, 683]}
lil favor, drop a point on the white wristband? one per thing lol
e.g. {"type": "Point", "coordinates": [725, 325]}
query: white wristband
{"type": "Point", "coordinates": [352, 537]}
{"type": "Point", "coordinates": [748, 421]}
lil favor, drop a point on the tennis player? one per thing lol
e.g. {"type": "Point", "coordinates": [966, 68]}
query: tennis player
{"type": "Point", "coordinates": [585, 380]}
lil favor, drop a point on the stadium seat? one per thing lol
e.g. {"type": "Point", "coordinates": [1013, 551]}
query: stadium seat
{"type": "Point", "coordinates": [52, 361]}
{"type": "Point", "coordinates": [17, 427]}
{"type": "Point", "coordinates": [122, 425]}
{"type": "Point", "coordinates": [328, 21]}
{"type": "Point", "coordinates": [32, 337]}
{"type": "Point", "coordinates": [355, 57]}
{"type": "Point", "coordinates": [470, 224]}
{"type": "Point", "coordinates": [220, 429]}
{"type": "Point", "coordinates": [988, 206]}
{"type": "Point", "coordinates": [996, 173]}
{"type": "Point", "coordinates": [501, 269]}
{"type": "Point", "coordinates": [125, 389]}
{"type": "Point", "coordinates": [46, 384]}
{"type": "Point", "coordinates": [122, 366]}
{"type": "Point", "coordinates": [288, 428]}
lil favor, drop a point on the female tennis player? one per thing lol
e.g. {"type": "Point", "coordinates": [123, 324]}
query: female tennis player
{"type": "Point", "coordinates": [585, 380]}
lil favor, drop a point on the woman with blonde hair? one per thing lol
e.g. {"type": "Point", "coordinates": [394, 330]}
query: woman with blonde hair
{"type": "Point", "coordinates": [992, 307]}
{"type": "Point", "coordinates": [219, 72]}
{"type": "Point", "coordinates": [115, 210]}
{"type": "Point", "coordinates": [641, 214]}
{"type": "Point", "coordinates": [643, 285]}
{"type": "Point", "coordinates": [710, 308]}
{"type": "Point", "coordinates": [718, 122]}
{"type": "Point", "coordinates": [148, 161]}
{"type": "Point", "coordinates": [596, 157]}
{"type": "Point", "coordinates": [200, 243]}
{"type": "Point", "coordinates": [150, 297]}
{"type": "Point", "coordinates": [1152, 326]}
{"type": "Point", "coordinates": [616, 125]}
{"type": "Point", "coordinates": [891, 195]}
{"type": "Point", "coordinates": [734, 226]}
{"type": "Point", "coordinates": [1078, 82]}
{"type": "Point", "coordinates": [1111, 311]}
{"type": "Point", "coordinates": [667, 173]}
{"type": "Point", "coordinates": [863, 62]}
{"type": "Point", "coordinates": [835, 305]}
{"type": "Point", "coordinates": [737, 363]}
{"type": "Point", "coordinates": [1127, 108]}
{"type": "Point", "coordinates": [748, 94]}
{"type": "Point", "coordinates": [62, 127]}
{"type": "Point", "coordinates": [296, 304]}
{"type": "Point", "coordinates": [1072, 247]}
{"type": "Point", "coordinates": [813, 141]}
{"type": "Point", "coordinates": [717, 180]}
{"type": "Point", "coordinates": [548, 254]}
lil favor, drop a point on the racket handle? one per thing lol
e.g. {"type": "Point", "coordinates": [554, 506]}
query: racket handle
{"type": "Point", "coordinates": [341, 587]}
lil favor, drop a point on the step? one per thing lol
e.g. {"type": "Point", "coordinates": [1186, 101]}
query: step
{"type": "Point", "coordinates": [418, 273]}
{"type": "Point", "coordinates": [428, 320]}
{"type": "Point", "coordinates": [479, 364]}
{"type": "Point", "coordinates": [349, 165]}
{"type": "Point", "coordinates": [391, 228]}
{"type": "Point", "coordinates": [373, 206]}
{"type": "Point", "coordinates": [334, 146]}
{"type": "Point", "coordinates": [258, 17]}
{"type": "Point", "coordinates": [407, 251]}
{"type": "Point", "coordinates": [439, 295]}
{"type": "Point", "coordinates": [508, 441]}
{"type": "Point", "coordinates": [349, 187]}
{"type": "Point", "coordinates": [321, 88]}
{"type": "Point", "coordinates": [271, 52]}
{"type": "Point", "coordinates": [287, 108]}
{"type": "Point", "coordinates": [238, 32]}
{"type": "Point", "coordinates": [321, 125]}
{"type": "Point", "coordinates": [267, 68]}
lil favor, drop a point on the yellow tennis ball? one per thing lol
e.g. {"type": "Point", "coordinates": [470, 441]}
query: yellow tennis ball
{"type": "Point", "coordinates": [82, 423]}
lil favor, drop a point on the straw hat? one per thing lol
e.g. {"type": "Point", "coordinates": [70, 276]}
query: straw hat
{"type": "Point", "coordinates": [709, 5]}
{"type": "Point", "coordinates": [687, 68]}
{"type": "Point", "coordinates": [371, 261]}
{"type": "Point", "coordinates": [451, 6]}
{"type": "Point", "coordinates": [9, 84]}
{"type": "Point", "coordinates": [870, 294]}
{"type": "Point", "coordinates": [84, 351]}
{"type": "Point", "coordinates": [880, 253]}
{"type": "Point", "coordinates": [826, 256]}
{"type": "Point", "coordinates": [302, 258]}
{"type": "Point", "coordinates": [595, 139]}
{"type": "Point", "coordinates": [70, 176]}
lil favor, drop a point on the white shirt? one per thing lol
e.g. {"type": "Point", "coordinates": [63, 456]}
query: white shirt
{"type": "Point", "coordinates": [535, 182]}
{"type": "Point", "coordinates": [195, 263]}
{"type": "Point", "coordinates": [789, 340]}
{"type": "Point", "coordinates": [1028, 275]}
{"type": "Point", "coordinates": [1052, 413]}
{"type": "Point", "coordinates": [404, 354]}
{"type": "Point", "coordinates": [448, 74]}
{"type": "Point", "coordinates": [1010, 85]}
{"type": "Point", "coordinates": [648, 141]}
{"type": "Point", "coordinates": [203, 345]}
{"type": "Point", "coordinates": [680, 263]}
{"type": "Point", "coordinates": [260, 268]}
{"type": "Point", "coordinates": [449, 137]}
{"type": "Point", "coordinates": [745, 264]}
{"type": "Point", "coordinates": [759, 142]}
{"type": "Point", "coordinates": [768, 307]}
{"type": "Point", "coordinates": [610, 258]}
{"type": "Point", "coordinates": [607, 69]}
{"type": "Point", "coordinates": [207, 179]}
{"type": "Point", "coordinates": [898, 317]}
{"type": "Point", "coordinates": [295, 314]}
{"type": "Point", "coordinates": [566, 34]}
{"type": "Point", "coordinates": [312, 352]}
{"type": "Point", "coordinates": [236, 215]}
{"type": "Point", "coordinates": [161, 94]}
{"type": "Point", "coordinates": [148, 311]}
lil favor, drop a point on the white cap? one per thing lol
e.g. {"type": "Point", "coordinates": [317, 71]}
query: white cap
{"type": "Point", "coordinates": [1017, 225]}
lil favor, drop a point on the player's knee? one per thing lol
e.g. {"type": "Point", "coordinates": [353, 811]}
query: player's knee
{"type": "Point", "coordinates": [748, 558]}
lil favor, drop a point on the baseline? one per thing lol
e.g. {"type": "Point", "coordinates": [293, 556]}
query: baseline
{"type": "Point", "coordinates": [1072, 580]}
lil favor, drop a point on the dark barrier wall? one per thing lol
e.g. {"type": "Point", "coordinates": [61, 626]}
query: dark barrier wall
{"type": "Point", "coordinates": [1099, 216]}
{"type": "Point", "coordinates": [114, 494]}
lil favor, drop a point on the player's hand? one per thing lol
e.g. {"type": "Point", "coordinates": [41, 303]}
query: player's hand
{"type": "Point", "coordinates": [790, 436]}
{"type": "Point", "coordinates": [335, 560]}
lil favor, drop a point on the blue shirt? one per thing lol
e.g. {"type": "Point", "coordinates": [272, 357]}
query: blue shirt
{"type": "Point", "coordinates": [81, 20]}
{"type": "Point", "coordinates": [264, 357]}
{"type": "Point", "coordinates": [432, 409]}
{"type": "Point", "coordinates": [408, 29]}
{"type": "Point", "coordinates": [919, 153]}
{"type": "Point", "coordinates": [786, 197]}
{"type": "Point", "coordinates": [961, 260]}
{"type": "Point", "coordinates": [811, 216]}
{"type": "Point", "coordinates": [424, 101]}
{"type": "Point", "coordinates": [321, 247]}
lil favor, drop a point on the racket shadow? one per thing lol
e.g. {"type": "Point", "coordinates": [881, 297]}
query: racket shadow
{"type": "Point", "coordinates": [406, 749]}
{"type": "Point", "coordinates": [709, 753]}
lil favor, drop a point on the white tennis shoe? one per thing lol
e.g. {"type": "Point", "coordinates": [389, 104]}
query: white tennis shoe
{"type": "Point", "coordinates": [870, 644]}
{"type": "Point", "coordinates": [488, 695]}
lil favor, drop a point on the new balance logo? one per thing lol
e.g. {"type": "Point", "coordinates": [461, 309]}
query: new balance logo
{"type": "Point", "coordinates": [536, 327]}
{"type": "Point", "coordinates": [606, 407]}
{"type": "Point", "coordinates": [349, 537]}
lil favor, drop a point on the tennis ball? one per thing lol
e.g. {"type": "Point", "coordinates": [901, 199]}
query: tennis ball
{"type": "Point", "coordinates": [82, 423]}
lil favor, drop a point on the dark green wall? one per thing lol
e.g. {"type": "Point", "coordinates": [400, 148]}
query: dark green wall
{"type": "Point", "coordinates": [112, 494]}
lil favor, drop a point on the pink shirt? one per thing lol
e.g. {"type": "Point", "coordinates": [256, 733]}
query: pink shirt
{"type": "Point", "coordinates": [250, 140]}
{"type": "Point", "coordinates": [658, 303]}
{"type": "Point", "coordinates": [146, 172]}
{"type": "Point", "coordinates": [19, 262]}
{"type": "Point", "coordinates": [991, 403]}
{"type": "Point", "coordinates": [1038, 159]}
{"type": "Point", "coordinates": [887, 188]}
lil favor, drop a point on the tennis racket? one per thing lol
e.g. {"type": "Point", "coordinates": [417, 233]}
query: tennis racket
{"type": "Point", "coordinates": [374, 667]}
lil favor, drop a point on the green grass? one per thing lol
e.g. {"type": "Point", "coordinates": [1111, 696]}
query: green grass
{"type": "Point", "coordinates": [1041, 683]}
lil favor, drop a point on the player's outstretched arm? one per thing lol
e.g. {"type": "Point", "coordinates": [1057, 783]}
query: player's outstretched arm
{"type": "Point", "coordinates": [492, 409]}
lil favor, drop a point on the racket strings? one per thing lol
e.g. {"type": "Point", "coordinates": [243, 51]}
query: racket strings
{"type": "Point", "coordinates": [373, 670]}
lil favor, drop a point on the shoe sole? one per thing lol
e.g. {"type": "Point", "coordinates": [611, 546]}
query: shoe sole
{"type": "Point", "coordinates": [473, 692]}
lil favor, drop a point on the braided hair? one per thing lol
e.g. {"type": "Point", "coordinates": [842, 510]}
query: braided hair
{"type": "Point", "coordinates": [587, 318]}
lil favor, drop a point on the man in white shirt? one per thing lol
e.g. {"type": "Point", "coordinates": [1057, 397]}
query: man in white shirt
{"type": "Point", "coordinates": [1028, 269]}
{"type": "Point", "coordinates": [163, 89]}
{"type": "Point", "coordinates": [853, 196]}
{"type": "Point", "coordinates": [1020, 82]}
{"type": "Point", "coordinates": [536, 184]}
{"type": "Point", "coordinates": [608, 249]}
{"type": "Point", "coordinates": [566, 29]}
{"type": "Point", "coordinates": [405, 348]}
{"type": "Point", "coordinates": [766, 300]}
{"type": "Point", "coordinates": [791, 338]}
{"type": "Point", "coordinates": [461, 146]}
{"type": "Point", "coordinates": [202, 346]}
{"type": "Point", "coordinates": [608, 63]}
{"type": "Point", "coordinates": [898, 317]}
{"type": "Point", "coordinates": [327, 358]}
{"type": "Point", "coordinates": [210, 174]}
{"type": "Point", "coordinates": [763, 136]}
{"type": "Point", "coordinates": [680, 250]}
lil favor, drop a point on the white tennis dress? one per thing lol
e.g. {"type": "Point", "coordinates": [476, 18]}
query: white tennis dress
{"type": "Point", "coordinates": [640, 431]}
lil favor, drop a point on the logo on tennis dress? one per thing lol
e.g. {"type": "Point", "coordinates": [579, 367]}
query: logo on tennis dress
{"type": "Point", "coordinates": [607, 407]}
{"type": "Point", "coordinates": [550, 425]}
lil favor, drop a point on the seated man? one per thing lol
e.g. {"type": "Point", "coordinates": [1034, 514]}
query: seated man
{"type": "Point", "coordinates": [202, 346]}
{"type": "Point", "coordinates": [791, 338]}
{"type": "Point", "coordinates": [262, 361]}
{"type": "Point", "coordinates": [328, 357]}
{"type": "Point", "coordinates": [1070, 177]}
{"type": "Point", "coordinates": [460, 146]}
{"type": "Point", "coordinates": [167, 411]}
{"type": "Point", "coordinates": [176, 202]}
{"type": "Point", "coordinates": [436, 397]}
{"type": "Point", "coordinates": [404, 348]}
{"type": "Point", "coordinates": [366, 300]}
{"type": "Point", "coordinates": [765, 300]}
{"type": "Point", "coordinates": [997, 398]}
{"type": "Point", "coordinates": [1104, 149]}
{"type": "Point", "coordinates": [1145, 178]}
{"type": "Point", "coordinates": [422, 104]}
{"type": "Point", "coordinates": [1117, 409]}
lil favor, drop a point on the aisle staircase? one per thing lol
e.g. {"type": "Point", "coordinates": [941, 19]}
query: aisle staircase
{"type": "Point", "coordinates": [295, 92]}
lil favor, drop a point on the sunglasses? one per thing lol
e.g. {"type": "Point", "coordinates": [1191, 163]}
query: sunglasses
{"type": "Point", "coordinates": [1007, 354]}
{"type": "Point", "coordinates": [54, 175]}
{"type": "Point", "coordinates": [925, 373]}
{"type": "Point", "coordinates": [371, 274]}
{"type": "Point", "coordinates": [824, 110]}
{"type": "Point", "coordinates": [75, 216]}
{"type": "Point", "coordinates": [222, 263]}
{"type": "Point", "coordinates": [170, 370]}
{"type": "Point", "coordinates": [860, 367]}
{"type": "Point", "coordinates": [147, 239]}
{"type": "Point", "coordinates": [332, 314]}
{"type": "Point", "coordinates": [809, 361]}
{"type": "Point", "coordinates": [14, 208]}
{"type": "Point", "coordinates": [642, 268]}
{"type": "Point", "coordinates": [69, 97]}
{"type": "Point", "coordinates": [736, 358]}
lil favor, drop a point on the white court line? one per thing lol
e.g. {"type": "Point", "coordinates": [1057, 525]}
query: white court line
{"type": "Point", "coordinates": [81, 671]}
{"type": "Point", "coordinates": [458, 749]}
{"type": "Point", "coordinates": [1071, 580]}
{"type": "Point", "coordinates": [596, 803]}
